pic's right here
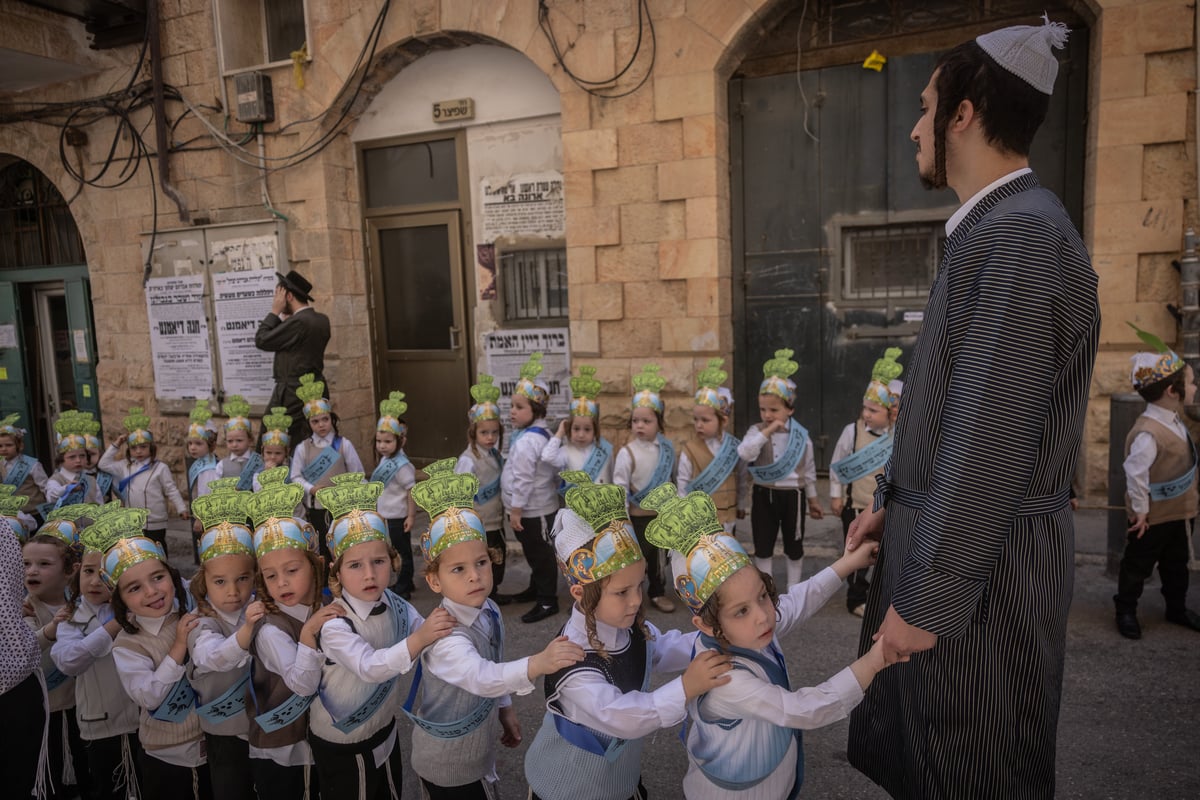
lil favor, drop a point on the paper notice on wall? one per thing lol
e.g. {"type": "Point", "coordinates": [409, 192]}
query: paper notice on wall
{"type": "Point", "coordinates": [241, 300]}
{"type": "Point", "coordinates": [527, 204]}
{"type": "Point", "coordinates": [179, 337]}
{"type": "Point", "coordinates": [507, 351]}
{"type": "Point", "coordinates": [249, 253]}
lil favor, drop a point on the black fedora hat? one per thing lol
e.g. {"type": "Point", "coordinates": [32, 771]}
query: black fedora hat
{"type": "Point", "coordinates": [297, 284]}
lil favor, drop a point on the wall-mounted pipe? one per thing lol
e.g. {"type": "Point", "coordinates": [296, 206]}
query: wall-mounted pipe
{"type": "Point", "coordinates": [162, 142]}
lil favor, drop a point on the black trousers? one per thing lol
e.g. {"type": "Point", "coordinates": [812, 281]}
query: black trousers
{"type": "Point", "coordinates": [229, 767]}
{"type": "Point", "coordinates": [498, 551]}
{"type": "Point", "coordinates": [108, 781]}
{"type": "Point", "coordinates": [774, 510]}
{"type": "Point", "coordinates": [159, 535]}
{"type": "Point", "coordinates": [468, 791]}
{"type": "Point", "coordinates": [276, 782]}
{"type": "Point", "coordinates": [857, 584]}
{"type": "Point", "coordinates": [653, 556]}
{"type": "Point", "coordinates": [57, 757]}
{"type": "Point", "coordinates": [402, 541]}
{"type": "Point", "coordinates": [1164, 544]}
{"type": "Point", "coordinates": [543, 569]}
{"type": "Point", "coordinates": [349, 771]}
{"type": "Point", "coordinates": [163, 781]}
{"type": "Point", "coordinates": [24, 715]}
{"type": "Point", "coordinates": [319, 519]}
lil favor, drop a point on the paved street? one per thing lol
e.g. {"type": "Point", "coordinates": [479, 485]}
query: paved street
{"type": "Point", "coordinates": [1130, 724]}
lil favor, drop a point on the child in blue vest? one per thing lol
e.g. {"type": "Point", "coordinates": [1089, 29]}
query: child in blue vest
{"type": "Point", "coordinates": [482, 459]}
{"type": "Point", "coordinates": [743, 737]}
{"type": "Point", "coordinates": [578, 444]}
{"type": "Point", "coordinates": [397, 476]}
{"type": "Point", "coordinates": [647, 460]}
{"type": "Point", "coordinates": [780, 454]}
{"type": "Point", "coordinates": [201, 437]}
{"type": "Point", "coordinates": [241, 462]}
{"type": "Point", "coordinates": [70, 484]}
{"type": "Point", "coordinates": [459, 701]}
{"type": "Point", "coordinates": [352, 722]}
{"type": "Point", "coordinates": [22, 472]}
{"type": "Point", "coordinates": [709, 460]}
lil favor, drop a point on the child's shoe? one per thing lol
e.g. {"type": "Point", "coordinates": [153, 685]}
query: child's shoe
{"type": "Point", "coordinates": [1185, 617]}
{"type": "Point", "coordinates": [1127, 625]}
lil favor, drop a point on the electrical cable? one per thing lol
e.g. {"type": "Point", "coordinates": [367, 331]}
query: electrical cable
{"type": "Point", "coordinates": [588, 85]}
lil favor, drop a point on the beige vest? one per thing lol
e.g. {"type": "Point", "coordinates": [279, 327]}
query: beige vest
{"type": "Point", "coordinates": [1174, 459]}
{"type": "Point", "coordinates": [153, 733]}
{"type": "Point", "coordinates": [862, 491]}
{"type": "Point", "coordinates": [725, 497]}
{"type": "Point", "coordinates": [270, 691]}
{"type": "Point", "coordinates": [28, 488]}
{"type": "Point", "coordinates": [62, 696]}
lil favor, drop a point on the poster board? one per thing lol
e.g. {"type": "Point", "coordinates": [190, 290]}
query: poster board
{"type": "Point", "coordinates": [179, 338]}
{"type": "Point", "coordinates": [505, 352]}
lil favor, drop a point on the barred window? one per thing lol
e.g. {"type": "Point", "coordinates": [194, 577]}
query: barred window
{"type": "Point", "coordinates": [890, 261]}
{"type": "Point", "coordinates": [535, 284]}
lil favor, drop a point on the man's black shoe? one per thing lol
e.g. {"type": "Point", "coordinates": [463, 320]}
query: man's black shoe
{"type": "Point", "coordinates": [1186, 618]}
{"type": "Point", "coordinates": [501, 599]}
{"type": "Point", "coordinates": [540, 612]}
{"type": "Point", "coordinates": [1128, 626]}
{"type": "Point", "coordinates": [526, 596]}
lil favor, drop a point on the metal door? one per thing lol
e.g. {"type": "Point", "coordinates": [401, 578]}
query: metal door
{"type": "Point", "coordinates": [14, 394]}
{"type": "Point", "coordinates": [55, 389]}
{"type": "Point", "coordinates": [420, 312]}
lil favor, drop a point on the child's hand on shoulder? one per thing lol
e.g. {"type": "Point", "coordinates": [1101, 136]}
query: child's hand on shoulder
{"type": "Point", "coordinates": [321, 616]}
{"type": "Point", "coordinates": [437, 625]}
{"type": "Point", "coordinates": [560, 653]}
{"type": "Point", "coordinates": [707, 670]}
{"type": "Point", "coordinates": [510, 727]}
{"type": "Point", "coordinates": [255, 611]}
{"type": "Point", "coordinates": [187, 623]}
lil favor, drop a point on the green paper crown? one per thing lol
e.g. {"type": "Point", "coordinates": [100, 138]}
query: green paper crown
{"type": "Point", "coordinates": [277, 420]}
{"type": "Point", "coordinates": [137, 420]}
{"type": "Point", "coordinates": [223, 503]}
{"type": "Point", "coordinates": [310, 388]}
{"type": "Point", "coordinates": [104, 510]}
{"type": "Point", "coordinates": [681, 521]}
{"type": "Point", "coordinates": [781, 366]}
{"type": "Point", "coordinates": [648, 380]}
{"type": "Point", "coordinates": [533, 367]}
{"type": "Point", "coordinates": [236, 406]}
{"type": "Point", "coordinates": [712, 376]}
{"type": "Point", "coordinates": [887, 368]}
{"type": "Point", "coordinates": [10, 503]}
{"type": "Point", "coordinates": [108, 529]}
{"type": "Point", "coordinates": [445, 489]}
{"type": "Point", "coordinates": [598, 504]}
{"type": "Point", "coordinates": [275, 476]}
{"type": "Point", "coordinates": [277, 501]}
{"type": "Point", "coordinates": [91, 424]}
{"type": "Point", "coordinates": [585, 383]}
{"type": "Point", "coordinates": [73, 512]}
{"type": "Point", "coordinates": [10, 421]}
{"type": "Point", "coordinates": [485, 391]}
{"type": "Point", "coordinates": [393, 406]}
{"type": "Point", "coordinates": [200, 414]}
{"type": "Point", "coordinates": [348, 493]}
{"type": "Point", "coordinates": [1150, 339]}
{"type": "Point", "coordinates": [72, 423]}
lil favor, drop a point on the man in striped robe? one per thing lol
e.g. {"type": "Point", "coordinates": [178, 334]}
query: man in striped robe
{"type": "Point", "coordinates": [976, 561]}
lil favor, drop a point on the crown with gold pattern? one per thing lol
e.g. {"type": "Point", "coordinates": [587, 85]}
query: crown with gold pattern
{"type": "Point", "coordinates": [271, 508]}
{"type": "Point", "coordinates": [593, 537]}
{"type": "Point", "coordinates": [449, 498]}
{"type": "Point", "coordinates": [11, 505]}
{"type": "Point", "coordinates": [71, 428]}
{"type": "Point", "coordinates": [137, 426]}
{"type": "Point", "coordinates": [485, 393]}
{"type": "Point", "coordinates": [646, 387]}
{"type": "Point", "coordinates": [223, 514]}
{"type": "Point", "coordinates": [276, 426]}
{"type": "Point", "coordinates": [352, 505]}
{"type": "Point", "coordinates": [65, 522]}
{"type": "Point", "coordinates": [391, 410]}
{"type": "Point", "coordinates": [312, 394]}
{"type": "Point", "coordinates": [118, 534]}
{"type": "Point", "coordinates": [704, 554]}
{"type": "Point", "coordinates": [585, 388]}
{"type": "Point", "coordinates": [709, 391]}
{"type": "Point", "coordinates": [91, 435]}
{"type": "Point", "coordinates": [777, 376]}
{"type": "Point", "coordinates": [885, 371]}
{"type": "Point", "coordinates": [1153, 367]}
{"type": "Point", "coordinates": [200, 425]}
{"type": "Point", "coordinates": [238, 412]}
{"type": "Point", "coordinates": [529, 385]}
{"type": "Point", "coordinates": [8, 426]}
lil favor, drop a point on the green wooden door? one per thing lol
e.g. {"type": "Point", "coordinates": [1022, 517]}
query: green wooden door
{"type": "Point", "coordinates": [14, 384]}
{"type": "Point", "coordinates": [83, 344]}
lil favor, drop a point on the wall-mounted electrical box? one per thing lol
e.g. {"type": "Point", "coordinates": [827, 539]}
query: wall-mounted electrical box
{"type": "Point", "coordinates": [255, 103]}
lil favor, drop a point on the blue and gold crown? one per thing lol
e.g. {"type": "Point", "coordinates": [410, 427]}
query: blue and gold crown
{"type": "Point", "coordinates": [709, 391]}
{"type": "Point", "coordinates": [352, 505]}
{"type": "Point", "coordinates": [647, 385]}
{"type": "Point", "coordinates": [312, 394]}
{"type": "Point", "coordinates": [707, 555]}
{"type": "Point", "coordinates": [270, 509]}
{"type": "Point", "coordinates": [391, 410]}
{"type": "Point", "coordinates": [91, 435]}
{"type": "Point", "coordinates": [238, 412]}
{"type": "Point", "coordinates": [485, 393]}
{"type": "Point", "coordinates": [71, 428]}
{"type": "Point", "coordinates": [593, 537]}
{"type": "Point", "coordinates": [777, 376]}
{"type": "Point", "coordinates": [118, 534]}
{"type": "Point", "coordinates": [886, 370]}
{"type": "Point", "coordinates": [276, 426]}
{"type": "Point", "coordinates": [65, 522]}
{"type": "Point", "coordinates": [200, 422]}
{"type": "Point", "coordinates": [137, 426]}
{"type": "Point", "coordinates": [585, 388]}
{"type": "Point", "coordinates": [223, 514]}
{"type": "Point", "coordinates": [8, 426]}
{"type": "Point", "coordinates": [528, 384]}
{"type": "Point", "coordinates": [1153, 367]}
{"type": "Point", "coordinates": [449, 498]}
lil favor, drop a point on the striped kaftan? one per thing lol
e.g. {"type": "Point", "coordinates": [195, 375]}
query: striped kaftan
{"type": "Point", "coordinates": [979, 536]}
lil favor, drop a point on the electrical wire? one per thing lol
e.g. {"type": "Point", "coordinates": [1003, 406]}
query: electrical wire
{"type": "Point", "coordinates": [597, 88]}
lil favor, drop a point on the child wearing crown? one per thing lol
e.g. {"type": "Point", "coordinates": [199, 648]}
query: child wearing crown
{"type": "Point", "coordinates": [709, 461]}
{"type": "Point", "coordinates": [95, 448]}
{"type": "Point", "coordinates": [201, 437]}
{"type": "Point", "coordinates": [22, 472]}
{"type": "Point", "coordinates": [482, 459]}
{"type": "Point", "coordinates": [530, 489]}
{"type": "Point", "coordinates": [646, 461]}
{"type": "Point", "coordinates": [70, 483]}
{"type": "Point", "coordinates": [322, 455]}
{"type": "Point", "coordinates": [150, 654]}
{"type": "Point", "coordinates": [743, 736]}
{"type": "Point", "coordinates": [142, 480]}
{"type": "Point", "coordinates": [397, 476]}
{"type": "Point", "coordinates": [600, 710]}
{"type": "Point", "coordinates": [459, 701]}
{"type": "Point", "coordinates": [276, 443]}
{"type": "Point", "coordinates": [241, 462]}
{"type": "Point", "coordinates": [218, 645]}
{"type": "Point", "coordinates": [860, 454]}
{"type": "Point", "coordinates": [782, 467]}
{"type": "Point", "coordinates": [578, 444]}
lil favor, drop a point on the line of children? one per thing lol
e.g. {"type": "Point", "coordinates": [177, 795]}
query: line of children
{"type": "Point", "coordinates": [397, 475]}
{"type": "Point", "coordinates": [201, 437]}
{"type": "Point", "coordinates": [482, 459]}
{"type": "Point", "coordinates": [241, 461]}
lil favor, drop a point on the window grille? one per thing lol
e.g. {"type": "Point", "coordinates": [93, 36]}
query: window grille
{"type": "Point", "coordinates": [890, 261]}
{"type": "Point", "coordinates": [535, 284]}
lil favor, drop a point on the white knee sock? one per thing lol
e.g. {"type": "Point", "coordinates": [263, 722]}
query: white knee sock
{"type": "Point", "coordinates": [763, 564]}
{"type": "Point", "coordinates": [794, 571]}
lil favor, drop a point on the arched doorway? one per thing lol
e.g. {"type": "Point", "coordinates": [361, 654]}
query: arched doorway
{"type": "Point", "coordinates": [47, 342]}
{"type": "Point", "coordinates": [834, 242]}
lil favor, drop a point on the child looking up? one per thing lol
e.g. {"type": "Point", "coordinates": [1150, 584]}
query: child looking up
{"type": "Point", "coordinates": [22, 472]}
{"type": "Point", "coordinates": [482, 459]}
{"type": "Point", "coordinates": [782, 467]}
{"type": "Point", "coordinates": [709, 461]}
{"type": "Point", "coordinates": [397, 476]}
{"type": "Point", "coordinates": [241, 462]}
{"type": "Point", "coordinates": [578, 444]}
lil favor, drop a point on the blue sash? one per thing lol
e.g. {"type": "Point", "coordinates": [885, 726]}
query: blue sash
{"type": "Point", "coordinates": [597, 457]}
{"type": "Point", "coordinates": [662, 470]}
{"type": "Point", "coordinates": [720, 468]}
{"type": "Point", "coordinates": [283, 714]}
{"type": "Point", "coordinates": [786, 463]}
{"type": "Point", "coordinates": [123, 486]}
{"type": "Point", "coordinates": [104, 483]}
{"type": "Point", "coordinates": [18, 470]}
{"type": "Point", "coordinates": [477, 715]}
{"type": "Point", "coordinates": [487, 493]}
{"type": "Point", "coordinates": [388, 468]}
{"type": "Point", "coordinates": [857, 466]}
{"type": "Point", "coordinates": [231, 703]}
{"type": "Point", "coordinates": [75, 493]}
{"type": "Point", "coordinates": [253, 466]}
{"type": "Point", "coordinates": [517, 434]}
{"type": "Point", "coordinates": [590, 741]}
{"type": "Point", "coordinates": [375, 700]}
{"type": "Point", "coordinates": [55, 678]}
{"type": "Point", "coordinates": [199, 466]}
{"type": "Point", "coordinates": [315, 470]}
{"type": "Point", "coordinates": [178, 704]}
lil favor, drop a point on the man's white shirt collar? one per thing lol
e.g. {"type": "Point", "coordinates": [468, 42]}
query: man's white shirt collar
{"type": "Point", "coordinates": [966, 207]}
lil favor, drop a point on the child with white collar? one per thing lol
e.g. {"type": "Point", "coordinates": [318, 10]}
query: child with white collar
{"type": "Point", "coordinates": [578, 444]}
{"type": "Point", "coordinates": [105, 483]}
{"type": "Point", "coordinates": [219, 644]}
{"type": "Point", "coordinates": [463, 681]}
{"type": "Point", "coordinates": [482, 459]}
{"type": "Point", "coordinates": [241, 462]}
{"type": "Point", "coordinates": [352, 722]}
{"type": "Point", "coordinates": [397, 475]}
{"type": "Point", "coordinates": [69, 484]}
{"type": "Point", "coordinates": [201, 437]}
{"type": "Point", "coordinates": [709, 461]}
{"type": "Point", "coordinates": [22, 472]}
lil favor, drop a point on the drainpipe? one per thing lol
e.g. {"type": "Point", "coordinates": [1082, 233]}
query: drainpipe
{"type": "Point", "coordinates": [1189, 334]}
{"type": "Point", "coordinates": [160, 117]}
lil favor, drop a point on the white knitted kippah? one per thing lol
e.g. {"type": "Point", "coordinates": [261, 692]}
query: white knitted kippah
{"type": "Point", "coordinates": [1026, 51]}
{"type": "Point", "coordinates": [569, 533]}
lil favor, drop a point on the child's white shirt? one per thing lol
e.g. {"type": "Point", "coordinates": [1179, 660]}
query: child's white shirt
{"type": "Point", "coordinates": [1143, 450]}
{"type": "Point", "coordinates": [393, 502]}
{"type": "Point", "coordinates": [308, 449]}
{"type": "Point", "coordinates": [300, 668]}
{"type": "Point", "coordinates": [151, 490]}
{"type": "Point", "coordinates": [803, 475]}
{"type": "Point", "coordinates": [563, 455]}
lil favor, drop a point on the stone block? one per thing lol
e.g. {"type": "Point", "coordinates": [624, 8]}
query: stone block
{"type": "Point", "coordinates": [608, 14]}
{"type": "Point", "coordinates": [1153, 317]}
{"type": "Point", "coordinates": [627, 262]}
{"type": "Point", "coordinates": [700, 137]}
{"type": "Point", "coordinates": [576, 110]}
{"type": "Point", "coordinates": [651, 143]}
{"type": "Point", "coordinates": [693, 177]}
{"type": "Point", "coordinates": [655, 299]}
{"type": "Point", "coordinates": [1170, 73]}
{"type": "Point", "coordinates": [601, 301]}
{"type": "Point", "coordinates": [707, 217]}
{"type": "Point", "coordinates": [613, 373]}
{"type": "Point", "coordinates": [1165, 26]}
{"type": "Point", "coordinates": [709, 297]}
{"type": "Point", "coordinates": [684, 47]}
{"type": "Point", "coordinates": [1118, 173]}
{"type": "Point", "coordinates": [581, 265]}
{"type": "Point", "coordinates": [456, 15]}
{"type": "Point", "coordinates": [624, 185]}
{"type": "Point", "coordinates": [691, 335]}
{"type": "Point", "coordinates": [687, 258]}
{"type": "Point", "coordinates": [1143, 120]}
{"type": "Point", "coordinates": [652, 222]}
{"type": "Point", "coordinates": [592, 149]}
{"type": "Point", "coordinates": [1118, 275]}
{"type": "Point", "coordinates": [631, 338]}
{"type": "Point", "coordinates": [577, 188]}
{"type": "Point", "coordinates": [722, 19]}
{"type": "Point", "coordinates": [592, 56]}
{"type": "Point", "coordinates": [1142, 227]}
{"type": "Point", "coordinates": [425, 15]}
{"type": "Point", "coordinates": [1122, 76]}
{"type": "Point", "coordinates": [687, 95]}
{"type": "Point", "coordinates": [1168, 172]}
{"type": "Point", "coordinates": [585, 337]}
{"type": "Point", "coordinates": [513, 22]}
{"type": "Point", "coordinates": [632, 109]}
{"type": "Point", "coordinates": [1157, 278]}
{"type": "Point", "coordinates": [1118, 31]}
{"type": "Point", "coordinates": [593, 226]}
